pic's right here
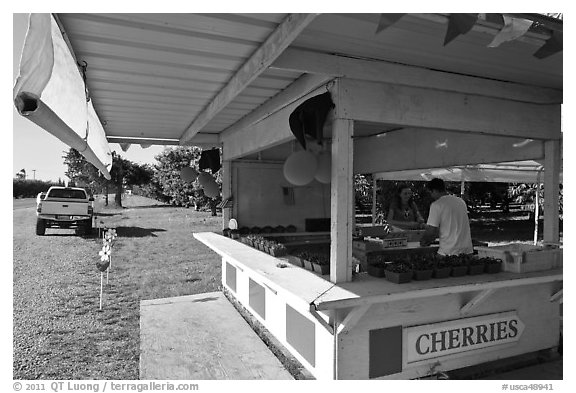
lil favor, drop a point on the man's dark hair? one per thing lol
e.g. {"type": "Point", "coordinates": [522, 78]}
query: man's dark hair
{"type": "Point", "coordinates": [436, 185]}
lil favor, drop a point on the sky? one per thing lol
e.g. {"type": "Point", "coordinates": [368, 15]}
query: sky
{"type": "Point", "coordinates": [39, 152]}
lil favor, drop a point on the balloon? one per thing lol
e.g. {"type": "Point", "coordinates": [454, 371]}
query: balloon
{"type": "Point", "coordinates": [211, 189]}
{"type": "Point", "coordinates": [324, 171]}
{"type": "Point", "coordinates": [300, 168]}
{"type": "Point", "coordinates": [188, 174]}
{"type": "Point", "coordinates": [204, 178]}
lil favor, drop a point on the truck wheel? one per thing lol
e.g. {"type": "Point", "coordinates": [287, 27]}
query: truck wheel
{"type": "Point", "coordinates": [88, 228]}
{"type": "Point", "coordinates": [40, 227]}
{"type": "Point", "coordinates": [84, 229]}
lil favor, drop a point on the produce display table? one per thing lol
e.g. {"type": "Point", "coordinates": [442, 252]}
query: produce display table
{"type": "Point", "coordinates": [372, 328]}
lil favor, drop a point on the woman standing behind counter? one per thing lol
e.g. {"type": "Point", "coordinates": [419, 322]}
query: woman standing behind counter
{"type": "Point", "coordinates": [403, 211]}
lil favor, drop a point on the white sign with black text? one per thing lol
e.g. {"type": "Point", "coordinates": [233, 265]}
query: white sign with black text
{"type": "Point", "coordinates": [461, 335]}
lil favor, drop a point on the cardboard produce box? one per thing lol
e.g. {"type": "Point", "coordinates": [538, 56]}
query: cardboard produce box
{"type": "Point", "coordinates": [521, 258]}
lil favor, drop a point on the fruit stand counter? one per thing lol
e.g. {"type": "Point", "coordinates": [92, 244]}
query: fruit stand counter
{"type": "Point", "coordinates": [372, 328]}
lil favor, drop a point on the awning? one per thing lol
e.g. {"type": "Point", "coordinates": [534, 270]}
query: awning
{"type": "Point", "coordinates": [506, 172]}
{"type": "Point", "coordinates": [50, 91]}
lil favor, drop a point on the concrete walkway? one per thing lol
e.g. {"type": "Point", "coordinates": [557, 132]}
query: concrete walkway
{"type": "Point", "coordinates": [202, 337]}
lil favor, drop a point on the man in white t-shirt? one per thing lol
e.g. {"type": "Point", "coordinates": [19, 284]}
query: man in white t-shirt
{"type": "Point", "coordinates": [447, 220]}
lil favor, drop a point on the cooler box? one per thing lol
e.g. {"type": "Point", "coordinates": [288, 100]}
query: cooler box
{"type": "Point", "coordinates": [521, 258]}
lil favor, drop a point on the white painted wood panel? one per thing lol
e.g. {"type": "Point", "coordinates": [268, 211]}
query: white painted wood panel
{"type": "Point", "coordinates": [432, 148]}
{"type": "Point", "coordinates": [394, 73]}
{"type": "Point", "coordinates": [540, 317]}
{"type": "Point", "coordinates": [418, 107]}
{"type": "Point", "coordinates": [342, 202]}
{"type": "Point", "coordinates": [268, 132]}
{"type": "Point", "coordinates": [370, 290]}
{"type": "Point", "coordinates": [551, 191]}
{"type": "Point", "coordinates": [297, 284]}
{"type": "Point", "coordinates": [259, 198]}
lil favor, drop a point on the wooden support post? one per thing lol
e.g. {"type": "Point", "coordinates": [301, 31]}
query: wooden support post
{"type": "Point", "coordinates": [551, 191]}
{"type": "Point", "coordinates": [227, 213]}
{"type": "Point", "coordinates": [342, 209]}
{"type": "Point", "coordinates": [374, 190]}
{"type": "Point", "coordinates": [352, 318]}
{"type": "Point", "coordinates": [476, 301]}
{"type": "Point", "coordinates": [558, 296]}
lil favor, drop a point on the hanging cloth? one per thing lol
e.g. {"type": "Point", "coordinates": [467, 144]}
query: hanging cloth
{"type": "Point", "coordinates": [51, 92]}
{"type": "Point", "coordinates": [308, 118]}
{"type": "Point", "coordinates": [210, 159]}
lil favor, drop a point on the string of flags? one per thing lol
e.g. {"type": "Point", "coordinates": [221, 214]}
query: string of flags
{"type": "Point", "coordinates": [513, 27]}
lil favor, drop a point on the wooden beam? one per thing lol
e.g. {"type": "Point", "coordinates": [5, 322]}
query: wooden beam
{"type": "Point", "coordinates": [476, 301]}
{"type": "Point", "coordinates": [268, 132]}
{"type": "Point", "coordinates": [418, 107]}
{"type": "Point", "coordinates": [352, 318]}
{"type": "Point", "coordinates": [341, 212]}
{"type": "Point", "coordinates": [320, 319]}
{"type": "Point", "coordinates": [558, 296]}
{"type": "Point", "coordinates": [299, 88]}
{"type": "Point", "coordinates": [274, 45]}
{"type": "Point", "coordinates": [359, 300]}
{"type": "Point", "coordinates": [430, 148]}
{"type": "Point", "coordinates": [227, 213]}
{"type": "Point", "coordinates": [200, 139]}
{"type": "Point", "coordinates": [551, 191]}
{"type": "Point", "coordinates": [382, 71]}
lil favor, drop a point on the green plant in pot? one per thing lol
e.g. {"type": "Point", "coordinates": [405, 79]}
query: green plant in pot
{"type": "Point", "coordinates": [278, 250]}
{"type": "Point", "coordinates": [458, 264]}
{"type": "Point", "coordinates": [399, 271]}
{"type": "Point", "coordinates": [377, 268]}
{"type": "Point", "coordinates": [442, 267]}
{"type": "Point", "coordinates": [476, 266]}
{"type": "Point", "coordinates": [320, 264]}
{"type": "Point", "coordinates": [423, 267]}
{"type": "Point", "coordinates": [493, 265]}
{"type": "Point", "coordinates": [306, 257]}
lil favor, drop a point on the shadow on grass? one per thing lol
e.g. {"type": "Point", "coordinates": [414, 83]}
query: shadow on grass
{"type": "Point", "coordinates": [56, 234]}
{"type": "Point", "coordinates": [137, 231]}
{"type": "Point", "coordinates": [149, 206]}
{"type": "Point", "coordinates": [98, 214]}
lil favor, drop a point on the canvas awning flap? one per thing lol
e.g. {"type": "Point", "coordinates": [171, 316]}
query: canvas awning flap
{"type": "Point", "coordinates": [50, 92]}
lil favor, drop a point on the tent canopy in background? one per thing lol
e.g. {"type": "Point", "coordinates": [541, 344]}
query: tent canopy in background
{"type": "Point", "coordinates": [50, 92]}
{"type": "Point", "coordinates": [505, 172]}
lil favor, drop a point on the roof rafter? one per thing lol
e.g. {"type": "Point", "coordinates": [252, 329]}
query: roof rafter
{"type": "Point", "coordinates": [270, 49]}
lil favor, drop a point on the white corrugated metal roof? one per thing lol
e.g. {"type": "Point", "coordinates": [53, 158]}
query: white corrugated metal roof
{"type": "Point", "coordinates": [152, 75]}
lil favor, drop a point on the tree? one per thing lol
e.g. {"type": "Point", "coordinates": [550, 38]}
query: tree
{"type": "Point", "coordinates": [123, 173]}
{"type": "Point", "coordinates": [21, 175]}
{"type": "Point", "coordinates": [181, 193]}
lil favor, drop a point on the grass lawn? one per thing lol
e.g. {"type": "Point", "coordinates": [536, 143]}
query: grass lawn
{"type": "Point", "coordinates": [59, 332]}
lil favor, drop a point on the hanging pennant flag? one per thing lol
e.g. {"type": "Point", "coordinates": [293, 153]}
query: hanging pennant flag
{"type": "Point", "coordinates": [145, 145]}
{"type": "Point", "coordinates": [553, 45]}
{"type": "Point", "coordinates": [513, 29]}
{"type": "Point", "coordinates": [459, 24]}
{"type": "Point", "coordinates": [124, 147]}
{"type": "Point", "coordinates": [387, 20]}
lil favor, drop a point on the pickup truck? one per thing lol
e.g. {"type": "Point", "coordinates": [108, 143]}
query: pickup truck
{"type": "Point", "coordinates": [64, 207]}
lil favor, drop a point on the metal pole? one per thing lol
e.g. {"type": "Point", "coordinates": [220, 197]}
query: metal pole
{"type": "Point", "coordinates": [374, 186]}
{"type": "Point", "coordinates": [101, 284]}
{"type": "Point", "coordinates": [537, 206]}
